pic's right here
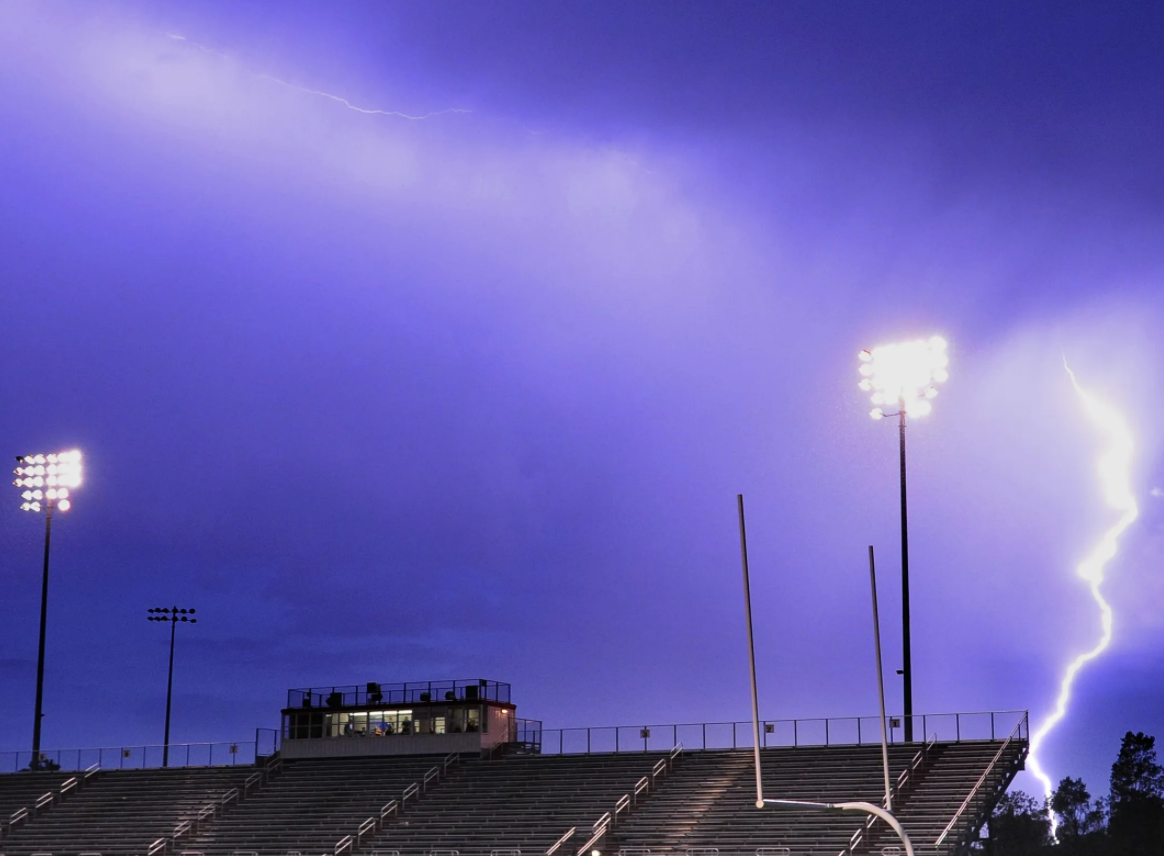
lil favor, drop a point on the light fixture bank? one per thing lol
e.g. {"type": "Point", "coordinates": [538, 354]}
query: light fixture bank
{"type": "Point", "coordinates": [904, 374]}
{"type": "Point", "coordinates": [48, 480]}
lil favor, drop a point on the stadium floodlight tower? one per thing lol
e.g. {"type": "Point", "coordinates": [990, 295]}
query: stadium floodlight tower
{"type": "Point", "coordinates": [173, 615]}
{"type": "Point", "coordinates": [46, 483]}
{"type": "Point", "coordinates": [904, 375]}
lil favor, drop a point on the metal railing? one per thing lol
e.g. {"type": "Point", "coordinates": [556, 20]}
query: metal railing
{"type": "Point", "coordinates": [834, 731]}
{"type": "Point", "coordinates": [899, 786]}
{"type": "Point", "coordinates": [375, 823]}
{"type": "Point", "coordinates": [970, 797]}
{"type": "Point", "coordinates": [21, 815]}
{"type": "Point", "coordinates": [223, 754]}
{"type": "Point", "coordinates": [624, 803]}
{"type": "Point", "coordinates": [565, 837]}
{"type": "Point", "coordinates": [408, 692]}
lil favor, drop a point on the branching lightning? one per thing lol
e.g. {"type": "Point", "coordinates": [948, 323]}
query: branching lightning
{"type": "Point", "coordinates": [338, 99]}
{"type": "Point", "coordinates": [1115, 467]}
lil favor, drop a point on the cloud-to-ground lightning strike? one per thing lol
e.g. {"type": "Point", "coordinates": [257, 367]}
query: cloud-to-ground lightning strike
{"type": "Point", "coordinates": [1115, 467]}
{"type": "Point", "coordinates": [320, 93]}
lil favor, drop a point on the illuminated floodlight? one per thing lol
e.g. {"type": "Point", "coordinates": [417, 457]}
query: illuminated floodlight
{"type": "Point", "coordinates": [45, 483]}
{"type": "Point", "coordinates": [47, 480]}
{"type": "Point", "coordinates": [904, 374]}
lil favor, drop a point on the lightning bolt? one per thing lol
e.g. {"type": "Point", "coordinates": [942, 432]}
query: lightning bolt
{"type": "Point", "coordinates": [1115, 467]}
{"type": "Point", "coordinates": [338, 99]}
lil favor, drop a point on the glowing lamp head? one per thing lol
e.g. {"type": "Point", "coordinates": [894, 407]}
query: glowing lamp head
{"type": "Point", "coordinates": [904, 374]}
{"type": "Point", "coordinates": [58, 472]}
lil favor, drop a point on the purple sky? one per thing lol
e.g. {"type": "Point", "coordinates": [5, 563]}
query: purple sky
{"type": "Point", "coordinates": [473, 394]}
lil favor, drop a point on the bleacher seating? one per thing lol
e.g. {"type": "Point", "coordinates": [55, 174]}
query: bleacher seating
{"type": "Point", "coordinates": [311, 805]}
{"type": "Point", "coordinates": [516, 803]}
{"type": "Point", "coordinates": [946, 781]}
{"type": "Point", "coordinates": [121, 812]}
{"type": "Point", "coordinates": [709, 801]}
{"type": "Point", "coordinates": [22, 790]}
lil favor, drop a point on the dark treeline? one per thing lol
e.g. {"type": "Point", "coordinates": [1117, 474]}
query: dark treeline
{"type": "Point", "coordinates": [1128, 821]}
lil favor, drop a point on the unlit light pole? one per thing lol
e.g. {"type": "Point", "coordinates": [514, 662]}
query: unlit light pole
{"type": "Point", "coordinates": [47, 480]}
{"type": "Point", "coordinates": [904, 375]}
{"type": "Point", "coordinates": [172, 615]}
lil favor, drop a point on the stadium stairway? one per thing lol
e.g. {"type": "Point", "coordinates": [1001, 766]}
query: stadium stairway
{"type": "Point", "coordinates": [121, 812]}
{"type": "Point", "coordinates": [313, 804]}
{"type": "Point", "coordinates": [709, 801]}
{"type": "Point", "coordinates": [517, 802]}
{"type": "Point", "coordinates": [20, 794]}
{"type": "Point", "coordinates": [945, 784]}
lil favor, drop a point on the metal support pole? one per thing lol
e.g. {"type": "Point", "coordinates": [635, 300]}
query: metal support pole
{"type": "Point", "coordinates": [751, 655]}
{"type": "Point", "coordinates": [169, 690]}
{"type": "Point", "coordinates": [880, 683]}
{"type": "Point", "coordinates": [906, 665]}
{"type": "Point", "coordinates": [48, 527]}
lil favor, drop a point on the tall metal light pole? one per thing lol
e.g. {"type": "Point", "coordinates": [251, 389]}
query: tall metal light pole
{"type": "Point", "coordinates": [904, 375]}
{"type": "Point", "coordinates": [172, 615]}
{"type": "Point", "coordinates": [46, 482]}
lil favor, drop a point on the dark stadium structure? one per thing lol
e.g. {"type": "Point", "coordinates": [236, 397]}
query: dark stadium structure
{"type": "Point", "coordinates": [445, 768]}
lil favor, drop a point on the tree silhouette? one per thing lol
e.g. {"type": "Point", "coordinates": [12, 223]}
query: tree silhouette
{"type": "Point", "coordinates": [1136, 827]}
{"type": "Point", "coordinates": [1080, 821]}
{"type": "Point", "coordinates": [1017, 827]}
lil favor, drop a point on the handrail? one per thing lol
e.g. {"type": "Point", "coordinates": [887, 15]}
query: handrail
{"type": "Point", "coordinates": [45, 799]}
{"type": "Point", "coordinates": [67, 785]}
{"type": "Point", "coordinates": [17, 816]}
{"type": "Point", "coordinates": [390, 807]}
{"type": "Point", "coordinates": [677, 750]}
{"type": "Point", "coordinates": [411, 791]}
{"type": "Point", "coordinates": [159, 846]}
{"type": "Point", "coordinates": [343, 844]}
{"type": "Point", "coordinates": [251, 779]}
{"type": "Point", "coordinates": [92, 770]}
{"type": "Point", "coordinates": [600, 828]}
{"type": "Point", "coordinates": [566, 837]}
{"type": "Point", "coordinates": [658, 768]}
{"type": "Point", "coordinates": [641, 785]}
{"type": "Point", "coordinates": [365, 827]}
{"type": "Point", "coordinates": [207, 811]}
{"type": "Point", "coordinates": [624, 802]}
{"type": "Point", "coordinates": [434, 773]}
{"type": "Point", "coordinates": [973, 791]}
{"type": "Point", "coordinates": [181, 829]}
{"type": "Point", "coordinates": [451, 758]}
{"type": "Point", "coordinates": [898, 787]}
